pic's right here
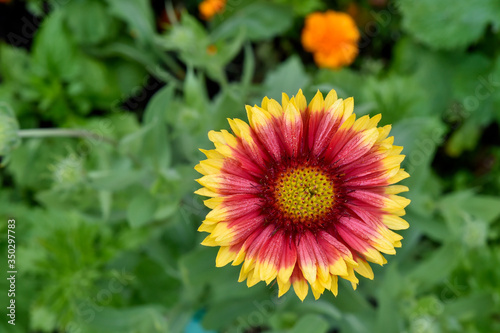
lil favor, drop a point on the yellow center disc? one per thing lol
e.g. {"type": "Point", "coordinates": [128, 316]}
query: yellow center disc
{"type": "Point", "coordinates": [304, 193]}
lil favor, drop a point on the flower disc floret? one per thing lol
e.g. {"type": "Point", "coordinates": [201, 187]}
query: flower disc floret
{"type": "Point", "coordinates": [304, 193]}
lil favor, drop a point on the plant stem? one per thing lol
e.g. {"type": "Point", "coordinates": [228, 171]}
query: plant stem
{"type": "Point", "coordinates": [62, 132]}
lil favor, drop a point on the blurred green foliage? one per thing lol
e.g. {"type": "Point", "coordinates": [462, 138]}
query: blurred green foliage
{"type": "Point", "coordinates": [106, 218]}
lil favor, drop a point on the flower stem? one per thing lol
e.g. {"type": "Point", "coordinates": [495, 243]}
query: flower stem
{"type": "Point", "coordinates": [62, 132]}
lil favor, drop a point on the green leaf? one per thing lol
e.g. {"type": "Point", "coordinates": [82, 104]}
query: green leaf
{"type": "Point", "coordinates": [15, 63]}
{"type": "Point", "coordinates": [89, 21]}
{"type": "Point", "coordinates": [447, 24]}
{"type": "Point", "coordinates": [349, 300]}
{"type": "Point", "coordinates": [132, 142]}
{"type": "Point", "coordinates": [138, 15]}
{"type": "Point", "coordinates": [141, 210]}
{"type": "Point", "coordinates": [30, 162]}
{"type": "Point", "coordinates": [310, 323]}
{"type": "Point", "coordinates": [431, 226]}
{"type": "Point", "coordinates": [114, 179]}
{"type": "Point", "coordinates": [484, 207]}
{"type": "Point", "coordinates": [346, 83]}
{"type": "Point", "coordinates": [239, 313]}
{"type": "Point", "coordinates": [323, 307]}
{"type": "Point", "coordinates": [147, 60]}
{"type": "Point", "coordinates": [302, 8]}
{"type": "Point", "coordinates": [463, 139]}
{"type": "Point", "coordinates": [396, 97]}
{"type": "Point", "coordinates": [258, 20]}
{"type": "Point", "coordinates": [289, 77]}
{"type": "Point", "coordinates": [198, 266]}
{"type": "Point", "coordinates": [187, 35]}
{"type": "Point", "coordinates": [225, 50]}
{"type": "Point", "coordinates": [156, 147]}
{"type": "Point", "coordinates": [149, 273]}
{"type": "Point", "coordinates": [436, 268]}
{"type": "Point", "coordinates": [95, 84]}
{"type": "Point", "coordinates": [420, 138]}
{"type": "Point", "coordinates": [146, 318]}
{"type": "Point", "coordinates": [389, 293]}
{"type": "Point", "coordinates": [248, 66]}
{"type": "Point", "coordinates": [197, 49]}
{"type": "Point", "coordinates": [106, 202]}
{"type": "Point", "coordinates": [492, 84]}
{"type": "Point", "coordinates": [189, 38]}
{"type": "Point", "coordinates": [195, 91]}
{"type": "Point", "coordinates": [471, 306]}
{"type": "Point", "coordinates": [429, 69]}
{"type": "Point", "coordinates": [157, 106]}
{"type": "Point", "coordinates": [227, 104]}
{"type": "Point", "coordinates": [55, 57]}
{"type": "Point", "coordinates": [42, 319]}
{"type": "Point", "coordinates": [358, 322]}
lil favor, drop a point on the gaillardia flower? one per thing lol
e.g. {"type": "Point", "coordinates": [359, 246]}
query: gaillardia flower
{"type": "Point", "coordinates": [303, 194]}
{"type": "Point", "coordinates": [332, 37]}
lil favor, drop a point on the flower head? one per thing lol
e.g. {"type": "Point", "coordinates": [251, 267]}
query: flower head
{"type": "Point", "coordinates": [208, 8]}
{"type": "Point", "coordinates": [303, 194]}
{"type": "Point", "coordinates": [332, 37]}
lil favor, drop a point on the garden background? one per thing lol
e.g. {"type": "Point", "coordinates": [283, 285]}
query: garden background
{"type": "Point", "coordinates": [113, 98]}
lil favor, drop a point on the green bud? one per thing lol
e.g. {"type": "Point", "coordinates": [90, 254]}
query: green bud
{"type": "Point", "coordinates": [424, 324]}
{"type": "Point", "coordinates": [428, 305]}
{"type": "Point", "coordinates": [475, 233]}
{"type": "Point", "coordinates": [9, 127]}
{"type": "Point", "coordinates": [68, 171]}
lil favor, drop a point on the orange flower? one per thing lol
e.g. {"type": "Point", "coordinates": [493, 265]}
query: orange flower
{"type": "Point", "coordinates": [332, 37]}
{"type": "Point", "coordinates": [208, 8]}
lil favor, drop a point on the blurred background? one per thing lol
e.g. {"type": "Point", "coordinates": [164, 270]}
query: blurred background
{"type": "Point", "coordinates": [104, 104]}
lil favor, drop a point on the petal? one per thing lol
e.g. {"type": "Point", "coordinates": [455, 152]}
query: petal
{"type": "Point", "coordinates": [229, 184]}
{"type": "Point", "coordinates": [225, 256]}
{"type": "Point", "coordinates": [317, 289]}
{"type": "Point", "coordinates": [322, 128]}
{"type": "Point", "coordinates": [264, 125]}
{"type": "Point", "coordinates": [206, 192]}
{"type": "Point", "coordinates": [233, 207]}
{"type": "Point", "coordinates": [348, 109]}
{"type": "Point", "coordinates": [299, 284]}
{"type": "Point", "coordinates": [359, 245]}
{"type": "Point", "coordinates": [288, 260]}
{"type": "Point", "coordinates": [395, 222]}
{"type": "Point", "coordinates": [284, 286]}
{"type": "Point", "coordinates": [364, 269]}
{"type": "Point", "coordinates": [274, 108]}
{"type": "Point", "coordinates": [210, 166]}
{"type": "Point", "coordinates": [251, 146]}
{"type": "Point", "coordinates": [292, 130]}
{"type": "Point", "coordinates": [306, 258]}
{"type": "Point", "coordinates": [317, 104]}
{"type": "Point", "coordinates": [334, 288]}
{"type": "Point", "coordinates": [270, 256]}
{"type": "Point", "coordinates": [254, 247]}
{"type": "Point", "coordinates": [300, 101]}
{"type": "Point", "coordinates": [357, 146]}
{"type": "Point", "coordinates": [330, 98]}
{"type": "Point", "coordinates": [339, 256]}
